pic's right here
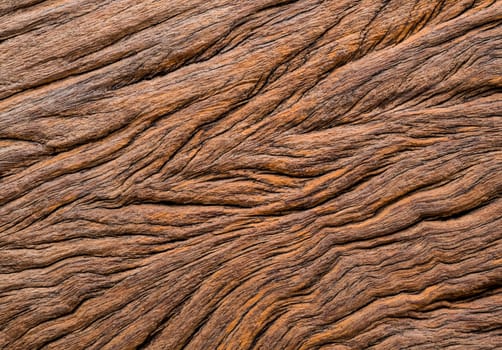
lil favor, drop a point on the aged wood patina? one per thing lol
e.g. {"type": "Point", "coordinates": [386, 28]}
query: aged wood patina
{"type": "Point", "coordinates": [250, 174]}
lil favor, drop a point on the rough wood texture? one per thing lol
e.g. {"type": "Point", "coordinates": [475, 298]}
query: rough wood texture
{"type": "Point", "coordinates": [250, 174]}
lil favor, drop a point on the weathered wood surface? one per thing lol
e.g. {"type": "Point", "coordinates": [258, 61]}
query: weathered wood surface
{"type": "Point", "coordinates": [250, 174]}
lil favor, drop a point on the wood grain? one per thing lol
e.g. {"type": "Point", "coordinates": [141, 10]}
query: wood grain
{"type": "Point", "coordinates": [257, 174]}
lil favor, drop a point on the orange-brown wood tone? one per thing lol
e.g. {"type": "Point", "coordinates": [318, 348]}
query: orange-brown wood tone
{"type": "Point", "coordinates": [256, 174]}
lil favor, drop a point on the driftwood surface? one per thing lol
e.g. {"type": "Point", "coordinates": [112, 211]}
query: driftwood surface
{"type": "Point", "coordinates": [218, 174]}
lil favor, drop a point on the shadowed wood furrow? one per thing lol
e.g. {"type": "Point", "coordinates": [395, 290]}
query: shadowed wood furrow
{"type": "Point", "coordinates": [250, 174]}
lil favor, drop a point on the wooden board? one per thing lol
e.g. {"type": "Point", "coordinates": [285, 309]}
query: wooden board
{"type": "Point", "coordinates": [256, 174]}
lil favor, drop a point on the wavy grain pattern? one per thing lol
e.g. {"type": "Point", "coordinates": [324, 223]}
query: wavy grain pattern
{"type": "Point", "coordinates": [250, 174]}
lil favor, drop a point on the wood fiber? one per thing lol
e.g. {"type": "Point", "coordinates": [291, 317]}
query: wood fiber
{"type": "Point", "coordinates": [255, 174]}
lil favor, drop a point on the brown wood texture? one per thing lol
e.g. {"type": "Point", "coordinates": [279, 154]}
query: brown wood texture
{"type": "Point", "coordinates": [250, 174]}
